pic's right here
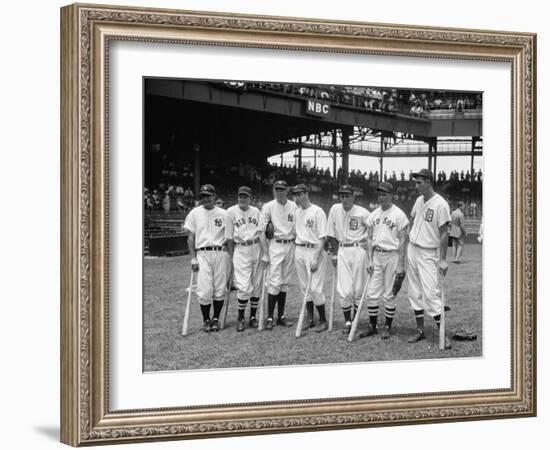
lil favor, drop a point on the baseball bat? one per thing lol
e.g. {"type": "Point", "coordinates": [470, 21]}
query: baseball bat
{"type": "Point", "coordinates": [355, 322]}
{"type": "Point", "coordinates": [331, 304]}
{"type": "Point", "coordinates": [303, 310]}
{"type": "Point", "coordinates": [442, 318]}
{"type": "Point", "coordinates": [223, 317]}
{"type": "Point", "coordinates": [261, 306]}
{"type": "Point", "coordinates": [187, 306]}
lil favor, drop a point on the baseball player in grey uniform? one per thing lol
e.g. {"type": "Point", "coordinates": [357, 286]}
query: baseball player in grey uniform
{"type": "Point", "coordinates": [458, 232]}
{"type": "Point", "coordinates": [346, 227]}
{"type": "Point", "coordinates": [427, 252]}
{"type": "Point", "coordinates": [386, 244]}
{"type": "Point", "coordinates": [242, 230]}
{"type": "Point", "coordinates": [278, 254]}
{"type": "Point", "coordinates": [310, 256]}
{"type": "Point", "coordinates": [209, 254]}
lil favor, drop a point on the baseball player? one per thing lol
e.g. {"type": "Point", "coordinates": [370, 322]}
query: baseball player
{"type": "Point", "coordinates": [458, 232]}
{"type": "Point", "coordinates": [209, 256]}
{"type": "Point", "coordinates": [427, 252]}
{"type": "Point", "coordinates": [347, 226]}
{"type": "Point", "coordinates": [278, 255]}
{"type": "Point", "coordinates": [386, 245]}
{"type": "Point", "coordinates": [242, 230]}
{"type": "Point", "coordinates": [310, 256]}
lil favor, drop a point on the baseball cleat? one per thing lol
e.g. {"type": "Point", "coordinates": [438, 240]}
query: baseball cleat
{"type": "Point", "coordinates": [284, 322]}
{"type": "Point", "coordinates": [269, 324]}
{"type": "Point", "coordinates": [370, 331]}
{"type": "Point", "coordinates": [240, 325]}
{"type": "Point", "coordinates": [419, 336]}
{"type": "Point", "coordinates": [253, 322]}
{"type": "Point", "coordinates": [206, 326]}
{"type": "Point", "coordinates": [386, 332]}
{"type": "Point", "coordinates": [347, 328]}
{"type": "Point", "coordinates": [322, 326]}
{"type": "Point", "coordinates": [308, 325]}
{"type": "Point", "coordinates": [214, 325]}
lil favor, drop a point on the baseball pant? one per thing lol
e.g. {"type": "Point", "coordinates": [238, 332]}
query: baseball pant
{"type": "Point", "coordinates": [247, 272]}
{"type": "Point", "coordinates": [304, 257]}
{"type": "Point", "coordinates": [352, 272]}
{"type": "Point", "coordinates": [281, 257]}
{"type": "Point", "coordinates": [382, 278]}
{"type": "Point", "coordinates": [214, 269]}
{"type": "Point", "coordinates": [422, 272]}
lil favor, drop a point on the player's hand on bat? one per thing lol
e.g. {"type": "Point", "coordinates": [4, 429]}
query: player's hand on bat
{"type": "Point", "coordinates": [194, 265]}
{"type": "Point", "coordinates": [370, 269]}
{"type": "Point", "coordinates": [265, 260]}
{"type": "Point", "coordinates": [314, 265]}
{"type": "Point", "coordinates": [443, 267]}
{"type": "Point", "coordinates": [334, 260]}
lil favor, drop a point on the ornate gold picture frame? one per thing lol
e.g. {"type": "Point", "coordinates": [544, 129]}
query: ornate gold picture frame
{"type": "Point", "coordinates": [87, 32]}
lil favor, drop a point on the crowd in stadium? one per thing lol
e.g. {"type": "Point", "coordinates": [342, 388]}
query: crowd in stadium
{"type": "Point", "coordinates": [403, 101]}
{"type": "Point", "coordinates": [174, 191]}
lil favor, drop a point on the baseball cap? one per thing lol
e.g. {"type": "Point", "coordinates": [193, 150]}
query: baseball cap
{"type": "Point", "coordinates": [245, 190]}
{"type": "Point", "coordinates": [207, 189]}
{"type": "Point", "coordinates": [425, 173]}
{"type": "Point", "coordinates": [346, 189]}
{"type": "Point", "coordinates": [280, 184]}
{"type": "Point", "coordinates": [300, 188]}
{"type": "Point", "coordinates": [385, 187]}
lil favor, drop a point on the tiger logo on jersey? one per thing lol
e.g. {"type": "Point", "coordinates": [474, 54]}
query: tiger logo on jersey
{"type": "Point", "coordinates": [354, 223]}
{"type": "Point", "coordinates": [218, 222]}
{"type": "Point", "coordinates": [290, 217]}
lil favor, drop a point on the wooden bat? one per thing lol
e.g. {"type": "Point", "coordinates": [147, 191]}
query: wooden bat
{"type": "Point", "coordinates": [331, 304]}
{"type": "Point", "coordinates": [355, 322]}
{"type": "Point", "coordinates": [442, 317]}
{"type": "Point", "coordinates": [261, 308]}
{"type": "Point", "coordinates": [188, 306]}
{"type": "Point", "coordinates": [303, 310]}
{"type": "Point", "coordinates": [223, 317]}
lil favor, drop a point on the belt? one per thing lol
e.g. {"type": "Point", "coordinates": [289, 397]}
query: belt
{"type": "Point", "coordinates": [284, 241]}
{"type": "Point", "coordinates": [352, 244]}
{"type": "Point", "coordinates": [307, 245]}
{"type": "Point", "coordinates": [210, 249]}
{"type": "Point", "coordinates": [378, 249]}
{"type": "Point", "coordinates": [249, 242]}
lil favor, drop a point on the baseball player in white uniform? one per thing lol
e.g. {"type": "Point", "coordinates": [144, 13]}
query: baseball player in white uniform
{"type": "Point", "coordinates": [310, 256]}
{"type": "Point", "coordinates": [209, 256]}
{"type": "Point", "coordinates": [242, 230]}
{"type": "Point", "coordinates": [386, 245]}
{"type": "Point", "coordinates": [427, 252]}
{"type": "Point", "coordinates": [278, 255]}
{"type": "Point", "coordinates": [347, 225]}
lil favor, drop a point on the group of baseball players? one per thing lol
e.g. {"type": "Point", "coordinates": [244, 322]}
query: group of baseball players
{"type": "Point", "coordinates": [252, 250]}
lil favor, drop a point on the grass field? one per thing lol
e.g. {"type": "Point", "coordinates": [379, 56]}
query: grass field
{"type": "Point", "coordinates": [165, 348]}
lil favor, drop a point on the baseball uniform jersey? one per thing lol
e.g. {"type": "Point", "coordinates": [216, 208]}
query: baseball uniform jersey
{"type": "Point", "coordinates": [242, 228]}
{"type": "Point", "coordinates": [386, 226]}
{"type": "Point", "coordinates": [208, 226]}
{"type": "Point", "coordinates": [281, 247]}
{"type": "Point", "coordinates": [349, 227]}
{"type": "Point", "coordinates": [311, 225]}
{"type": "Point", "coordinates": [423, 253]}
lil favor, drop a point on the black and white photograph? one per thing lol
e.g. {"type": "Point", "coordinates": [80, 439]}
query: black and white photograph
{"type": "Point", "coordinates": [296, 224]}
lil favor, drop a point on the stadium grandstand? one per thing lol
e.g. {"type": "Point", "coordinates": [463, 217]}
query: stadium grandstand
{"type": "Point", "coordinates": [243, 133]}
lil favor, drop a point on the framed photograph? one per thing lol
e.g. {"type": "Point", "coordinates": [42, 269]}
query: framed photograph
{"type": "Point", "coordinates": [277, 224]}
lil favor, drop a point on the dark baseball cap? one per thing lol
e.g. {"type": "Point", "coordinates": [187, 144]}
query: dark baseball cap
{"type": "Point", "coordinates": [385, 187]}
{"type": "Point", "coordinates": [245, 190]}
{"type": "Point", "coordinates": [300, 188]}
{"type": "Point", "coordinates": [425, 173]}
{"type": "Point", "coordinates": [346, 189]}
{"type": "Point", "coordinates": [280, 184]}
{"type": "Point", "coordinates": [207, 189]}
